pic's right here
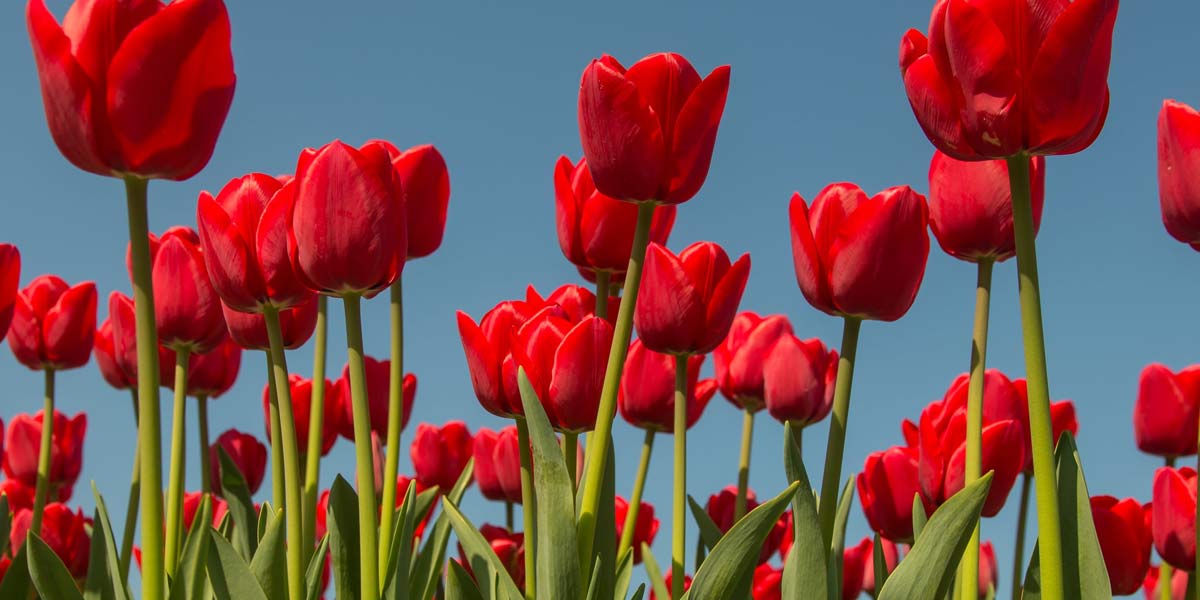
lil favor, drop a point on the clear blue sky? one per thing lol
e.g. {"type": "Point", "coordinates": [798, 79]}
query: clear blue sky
{"type": "Point", "coordinates": [815, 97]}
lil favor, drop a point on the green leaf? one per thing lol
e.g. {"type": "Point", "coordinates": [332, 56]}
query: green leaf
{"type": "Point", "coordinates": [623, 575]}
{"type": "Point", "coordinates": [658, 582]}
{"type": "Point", "coordinates": [480, 556]}
{"type": "Point", "coordinates": [189, 576]}
{"type": "Point", "coordinates": [637, 595]}
{"type": "Point", "coordinates": [837, 551]}
{"type": "Point", "coordinates": [316, 567]}
{"type": "Point", "coordinates": [806, 568]}
{"type": "Point", "coordinates": [343, 538]}
{"type": "Point", "coordinates": [732, 561]}
{"type": "Point", "coordinates": [558, 573]}
{"type": "Point", "coordinates": [50, 576]}
{"type": "Point", "coordinates": [104, 581]}
{"type": "Point", "coordinates": [594, 585]}
{"type": "Point", "coordinates": [926, 571]}
{"type": "Point", "coordinates": [241, 508]}
{"type": "Point", "coordinates": [5, 523]}
{"type": "Point", "coordinates": [710, 534]}
{"type": "Point", "coordinates": [880, 565]}
{"type": "Point", "coordinates": [16, 583]}
{"type": "Point", "coordinates": [228, 573]}
{"type": "Point", "coordinates": [427, 572]}
{"type": "Point", "coordinates": [269, 564]}
{"type": "Point", "coordinates": [605, 544]}
{"type": "Point", "coordinates": [918, 516]}
{"type": "Point", "coordinates": [459, 585]}
{"type": "Point", "coordinates": [401, 550]}
{"type": "Point", "coordinates": [266, 515]}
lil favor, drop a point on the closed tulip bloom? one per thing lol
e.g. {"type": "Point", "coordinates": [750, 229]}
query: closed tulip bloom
{"type": "Point", "coordinates": [249, 330]}
{"type": "Point", "coordinates": [886, 487]}
{"type": "Point", "coordinates": [1178, 583]}
{"type": "Point", "coordinates": [595, 232]}
{"type": "Point", "coordinates": [857, 256]}
{"type": "Point", "coordinates": [1173, 524]}
{"type": "Point", "coordinates": [989, 571]}
{"type": "Point", "coordinates": [243, 231]}
{"type": "Point", "coordinates": [53, 324]}
{"type": "Point", "coordinates": [643, 531]}
{"type": "Point", "coordinates": [135, 88]}
{"type": "Point", "coordinates": [488, 347]}
{"type": "Point", "coordinates": [186, 307]}
{"type": "Point", "coordinates": [646, 397]}
{"type": "Point", "coordinates": [191, 507]}
{"type": "Point", "coordinates": [648, 132]}
{"type": "Point", "coordinates": [1124, 541]}
{"type": "Point", "coordinates": [687, 302]}
{"type": "Point", "coordinates": [767, 583]}
{"type": "Point", "coordinates": [891, 557]}
{"type": "Point", "coordinates": [1167, 410]}
{"type": "Point", "coordinates": [565, 362]}
{"type": "Point", "coordinates": [800, 376]}
{"type": "Point", "coordinates": [249, 454]}
{"type": "Point", "coordinates": [439, 454]}
{"type": "Point", "coordinates": [212, 374]}
{"type": "Point", "coordinates": [1179, 171]}
{"type": "Point", "coordinates": [124, 336]}
{"type": "Point", "coordinates": [970, 206]}
{"type": "Point", "coordinates": [23, 440]}
{"type": "Point", "coordinates": [426, 181]}
{"type": "Point", "coordinates": [854, 566]}
{"type": "Point", "coordinates": [720, 508]}
{"type": "Point", "coordinates": [302, 390]}
{"type": "Point", "coordinates": [740, 357]}
{"type": "Point", "coordinates": [487, 468]}
{"type": "Point", "coordinates": [378, 374]}
{"type": "Point", "coordinates": [106, 359]}
{"type": "Point", "coordinates": [19, 495]}
{"type": "Point", "coordinates": [997, 78]}
{"type": "Point", "coordinates": [575, 301]}
{"type": "Point", "coordinates": [509, 548]}
{"type": "Point", "coordinates": [10, 277]}
{"type": "Point", "coordinates": [63, 530]}
{"type": "Point", "coordinates": [507, 458]}
{"type": "Point", "coordinates": [347, 252]}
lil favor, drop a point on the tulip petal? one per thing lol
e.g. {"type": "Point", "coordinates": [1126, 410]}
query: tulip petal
{"type": "Point", "coordinates": [232, 269]}
{"type": "Point", "coordinates": [70, 326]}
{"type": "Point", "coordinates": [482, 364]}
{"type": "Point", "coordinates": [723, 304]}
{"type": "Point", "coordinates": [567, 209]}
{"type": "Point", "coordinates": [422, 171]}
{"type": "Point", "coordinates": [936, 106]}
{"type": "Point", "coordinates": [187, 309]}
{"type": "Point", "coordinates": [811, 273]}
{"type": "Point", "coordinates": [1174, 517]}
{"type": "Point", "coordinates": [621, 135]}
{"type": "Point", "coordinates": [25, 335]}
{"type": "Point", "coordinates": [986, 73]}
{"type": "Point", "coordinates": [606, 228]}
{"type": "Point", "coordinates": [284, 287]}
{"type": "Point", "coordinates": [670, 310]}
{"type": "Point", "coordinates": [1179, 170]}
{"type": "Point", "coordinates": [694, 136]}
{"type": "Point", "coordinates": [1165, 418]}
{"type": "Point", "coordinates": [578, 374]}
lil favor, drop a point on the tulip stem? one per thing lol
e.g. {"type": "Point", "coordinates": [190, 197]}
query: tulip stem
{"type": "Point", "coordinates": [42, 489]}
{"type": "Point", "coordinates": [1018, 572]}
{"type": "Point", "coordinates": [679, 504]}
{"type": "Point", "coordinates": [178, 467]}
{"type": "Point", "coordinates": [293, 515]}
{"type": "Point", "coordinates": [571, 457]}
{"type": "Point", "coordinates": [602, 280]}
{"type": "Point", "coordinates": [743, 484]}
{"type": "Point", "coordinates": [969, 568]}
{"type": "Point", "coordinates": [131, 506]}
{"type": "Point", "coordinates": [508, 516]}
{"type": "Point", "coordinates": [1164, 582]}
{"type": "Point", "coordinates": [635, 497]}
{"type": "Point", "coordinates": [364, 457]}
{"type": "Point", "coordinates": [594, 477]}
{"type": "Point", "coordinates": [831, 478]}
{"type": "Point", "coordinates": [798, 435]}
{"type": "Point", "coordinates": [316, 426]}
{"type": "Point", "coordinates": [278, 494]}
{"type": "Point", "coordinates": [205, 445]}
{"type": "Point", "coordinates": [395, 425]}
{"type": "Point", "coordinates": [1040, 428]}
{"type": "Point", "coordinates": [529, 508]}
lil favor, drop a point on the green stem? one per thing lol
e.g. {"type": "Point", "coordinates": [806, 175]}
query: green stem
{"type": "Point", "coordinates": [571, 457]}
{"type": "Point", "coordinates": [798, 435]}
{"type": "Point", "coordinates": [149, 434]}
{"type": "Point", "coordinates": [1164, 569]}
{"type": "Point", "coordinates": [394, 426]}
{"type": "Point", "coordinates": [679, 505]}
{"type": "Point", "coordinates": [743, 482]}
{"type": "Point", "coordinates": [293, 515]}
{"type": "Point", "coordinates": [831, 478]}
{"type": "Point", "coordinates": [529, 508]}
{"type": "Point", "coordinates": [1040, 428]}
{"type": "Point", "coordinates": [969, 575]}
{"type": "Point", "coordinates": [205, 445]}
{"type": "Point", "coordinates": [178, 470]}
{"type": "Point", "coordinates": [42, 489]}
{"type": "Point", "coordinates": [635, 498]}
{"type": "Point", "coordinates": [1018, 570]}
{"type": "Point", "coordinates": [278, 493]}
{"type": "Point", "coordinates": [594, 476]}
{"type": "Point", "coordinates": [131, 507]}
{"type": "Point", "coordinates": [602, 280]}
{"type": "Point", "coordinates": [316, 426]}
{"type": "Point", "coordinates": [367, 524]}
{"type": "Point", "coordinates": [508, 516]}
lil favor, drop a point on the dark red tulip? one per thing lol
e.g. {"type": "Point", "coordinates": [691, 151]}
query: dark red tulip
{"type": "Point", "coordinates": [106, 359]}
{"type": "Point", "coordinates": [244, 234]}
{"type": "Point", "coordinates": [720, 508]}
{"type": "Point", "coordinates": [565, 361]}
{"type": "Point", "coordinates": [23, 440]}
{"type": "Point", "coordinates": [644, 529]}
{"type": "Point", "coordinates": [740, 357]}
{"type": "Point", "coordinates": [378, 374]}
{"type": "Point", "coordinates": [1173, 524]}
{"type": "Point", "coordinates": [426, 182]}
{"type": "Point", "coordinates": [858, 256]}
{"type": "Point", "coordinates": [997, 78]}
{"type": "Point", "coordinates": [495, 467]}
{"type": "Point", "coordinates": [595, 232]}
{"type": "Point", "coordinates": [767, 583]}
{"type": "Point", "coordinates": [440, 453]}
{"type": "Point", "coordinates": [249, 454]}
{"type": "Point", "coordinates": [191, 505]}
{"type": "Point", "coordinates": [53, 324]}
{"type": "Point", "coordinates": [648, 132]}
{"type": "Point", "coordinates": [1167, 410]}
{"type": "Point", "coordinates": [19, 495]}
{"type": "Point", "coordinates": [886, 487]}
{"type": "Point", "coordinates": [10, 278]}
{"type": "Point", "coordinates": [646, 397]}
{"type": "Point", "coordinates": [135, 88]}
{"type": "Point", "coordinates": [347, 252]}
{"type": "Point", "coordinates": [64, 531]}
{"type": "Point", "coordinates": [687, 302]}
{"type": "Point", "coordinates": [212, 374]}
{"type": "Point", "coordinates": [1179, 171]}
{"type": "Point", "coordinates": [507, 457]}
{"type": "Point", "coordinates": [800, 377]}
{"type": "Point", "coordinates": [1179, 581]}
{"type": "Point", "coordinates": [1124, 541]}
{"type": "Point", "coordinates": [970, 206]}
{"type": "Point", "coordinates": [509, 547]}
{"type": "Point", "coordinates": [301, 405]}
{"type": "Point", "coordinates": [186, 307]}
{"type": "Point", "coordinates": [249, 330]}
{"type": "Point", "coordinates": [891, 557]}
{"type": "Point", "coordinates": [854, 566]}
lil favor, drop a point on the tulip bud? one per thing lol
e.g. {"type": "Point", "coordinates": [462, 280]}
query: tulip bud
{"type": "Point", "coordinates": [687, 302]}
{"type": "Point", "coordinates": [64, 531]}
{"type": "Point", "coordinates": [1173, 523]}
{"type": "Point", "coordinates": [1124, 541]}
{"type": "Point", "coordinates": [440, 454]}
{"type": "Point", "coordinates": [767, 583]}
{"type": "Point", "coordinates": [53, 325]}
{"type": "Point", "coordinates": [23, 441]}
{"type": "Point", "coordinates": [646, 397]}
{"type": "Point", "coordinates": [1167, 410]}
{"type": "Point", "coordinates": [1179, 171]}
{"type": "Point", "coordinates": [296, 324]}
{"type": "Point", "coordinates": [378, 378]}
{"type": "Point", "coordinates": [10, 277]}
{"type": "Point", "coordinates": [492, 468]}
{"type": "Point", "coordinates": [246, 452]}
{"type": "Point", "coordinates": [565, 363]}
{"type": "Point", "coordinates": [887, 486]}
{"type": "Point", "coordinates": [643, 531]}
{"type": "Point", "coordinates": [970, 206]}
{"type": "Point", "coordinates": [740, 357]}
{"type": "Point", "coordinates": [720, 508]}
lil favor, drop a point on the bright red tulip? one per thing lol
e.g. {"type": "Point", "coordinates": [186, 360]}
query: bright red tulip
{"type": "Point", "coordinates": [135, 88]}
{"type": "Point", "coordinates": [687, 302]}
{"type": "Point", "coordinates": [886, 487]}
{"type": "Point", "coordinates": [767, 583]}
{"type": "Point", "coordinates": [249, 330]}
{"type": "Point", "coordinates": [212, 374]}
{"type": "Point", "coordinates": [1179, 581]}
{"type": "Point", "coordinates": [347, 252]}
{"type": "Point", "coordinates": [997, 78]}
{"type": "Point", "coordinates": [507, 457]}
{"type": "Point", "coordinates": [494, 467]}
{"type": "Point", "coordinates": [249, 454]}
{"type": "Point", "coordinates": [10, 278]}
{"type": "Point", "coordinates": [440, 453]}
{"type": "Point", "coordinates": [244, 234]}
{"type": "Point", "coordinates": [800, 377]}
{"type": "Point", "coordinates": [53, 324]}
{"type": "Point", "coordinates": [1179, 171]}
{"type": "Point", "coordinates": [426, 181]}
{"type": "Point", "coordinates": [858, 256]}
{"type": "Point", "coordinates": [19, 495]}
{"type": "Point", "coordinates": [191, 504]}
{"type": "Point", "coordinates": [23, 440]}
{"type": "Point", "coordinates": [509, 547]}
{"type": "Point", "coordinates": [1167, 410]}
{"type": "Point", "coordinates": [891, 557]}
{"type": "Point", "coordinates": [740, 357]}
{"type": "Point", "coordinates": [489, 347]}
{"type": "Point", "coordinates": [186, 307]}
{"type": "Point", "coordinates": [1124, 540]}
{"type": "Point", "coordinates": [854, 566]}
{"type": "Point", "coordinates": [648, 132]}
{"type": "Point", "coordinates": [378, 375]}
{"type": "Point", "coordinates": [1173, 525]}
{"type": "Point", "coordinates": [65, 532]}
{"type": "Point", "coordinates": [644, 529]}
{"type": "Point", "coordinates": [576, 302]}
{"type": "Point", "coordinates": [565, 362]}
{"type": "Point", "coordinates": [302, 390]}
{"type": "Point", "coordinates": [124, 336]}
{"type": "Point", "coordinates": [106, 358]}
{"type": "Point", "coordinates": [970, 206]}
{"type": "Point", "coordinates": [720, 508]}
{"type": "Point", "coordinates": [646, 397]}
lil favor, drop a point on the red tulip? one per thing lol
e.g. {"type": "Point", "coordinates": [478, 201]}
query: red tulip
{"type": "Point", "coordinates": [1124, 541]}
{"type": "Point", "coordinates": [1178, 171]}
{"type": "Point", "coordinates": [1179, 581]}
{"type": "Point", "coordinates": [595, 231]}
{"type": "Point", "coordinates": [970, 206]}
{"type": "Point", "coordinates": [648, 132]}
{"type": "Point", "coordinates": [720, 508]}
{"type": "Point", "coordinates": [244, 234]}
{"type": "Point", "coordinates": [565, 362]}
{"type": "Point", "coordinates": [687, 302]}
{"type": "Point", "coordinates": [509, 547]}
{"type": "Point", "coordinates": [1174, 516]}
{"type": "Point", "coordinates": [854, 566]}
{"type": "Point", "coordinates": [1167, 410]}
{"type": "Point", "coordinates": [249, 454]}
{"type": "Point", "coordinates": [124, 336]}
{"type": "Point", "coordinates": [886, 487]}
{"type": "Point", "coordinates": [576, 302]}
{"type": "Point", "coordinates": [493, 468]}
{"type": "Point", "coordinates": [186, 308]}
{"type": "Point", "coordinates": [322, 526]}
{"type": "Point", "coordinates": [507, 457]}
{"type": "Point", "coordinates": [646, 397]}
{"type": "Point", "coordinates": [891, 557]}
{"type": "Point", "coordinates": [347, 252]}
{"type": "Point", "coordinates": [249, 330]}
{"type": "Point", "coordinates": [740, 357]}
{"type": "Point", "coordinates": [23, 440]}
{"type": "Point", "coordinates": [800, 377]}
{"type": "Point", "coordinates": [644, 529]}
{"type": "Point", "coordinates": [402, 483]}
{"type": "Point", "coordinates": [10, 277]}
{"type": "Point", "coordinates": [212, 374]}
{"type": "Point", "coordinates": [767, 583]}
{"type": "Point", "coordinates": [135, 88]}
{"type": "Point", "coordinates": [440, 454]}
{"type": "Point", "coordinates": [302, 390]}
{"type": "Point", "coordinates": [65, 532]}
{"type": "Point", "coordinates": [191, 505]}
{"type": "Point", "coordinates": [1062, 419]}
{"type": "Point", "coordinates": [19, 495]}
{"type": "Point", "coordinates": [998, 78]}
{"type": "Point", "coordinates": [378, 374]}
{"type": "Point", "coordinates": [422, 172]}
{"type": "Point", "coordinates": [106, 358]}
{"type": "Point", "coordinates": [53, 324]}
{"type": "Point", "coordinates": [489, 346]}
{"type": "Point", "coordinates": [989, 571]}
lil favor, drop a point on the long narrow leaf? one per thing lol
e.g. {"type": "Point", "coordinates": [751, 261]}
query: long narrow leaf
{"type": "Point", "coordinates": [50, 576]}
{"type": "Point", "coordinates": [624, 574]}
{"type": "Point", "coordinates": [459, 585]}
{"type": "Point", "coordinates": [16, 583]}
{"type": "Point", "coordinates": [343, 538]}
{"type": "Point", "coordinates": [427, 572]}
{"type": "Point", "coordinates": [806, 568]}
{"type": "Point", "coordinates": [657, 582]}
{"type": "Point", "coordinates": [837, 551]}
{"type": "Point", "coordinates": [269, 564]}
{"type": "Point", "coordinates": [316, 568]}
{"type": "Point", "coordinates": [104, 581]}
{"type": "Point", "coordinates": [241, 508]}
{"type": "Point", "coordinates": [483, 561]}
{"type": "Point", "coordinates": [399, 564]}
{"type": "Point", "coordinates": [228, 573]}
{"type": "Point", "coordinates": [710, 534]}
{"type": "Point", "coordinates": [189, 573]}
{"type": "Point", "coordinates": [6, 522]}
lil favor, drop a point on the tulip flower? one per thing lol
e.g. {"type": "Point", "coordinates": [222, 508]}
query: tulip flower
{"type": "Point", "coordinates": [648, 132]}
{"type": "Point", "coordinates": [644, 529]}
{"type": "Point", "coordinates": [10, 278]}
{"type": "Point", "coordinates": [1178, 583]}
{"type": "Point", "coordinates": [1000, 78]}
{"type": "Point", "coordinates": [886, 487]}
{"type": "Point", "coordinates": [647, 395]}
{"type": "Point", "coordinates": [19, 495]}
{"type": "Point", "coordinates": [576, 302]}
{"type": "Point", "coordinates": [212, 373]}
{"type": "Point", "coordinates": [989, 571]}
{"type": "Point", "coordinates": [508, 547]}
{"type": "Point", "coordinates": [720, 507]}
{"type": "Point", "coordinates": [1179, 171]}
{"type": "Point", "coordinates": [191, 506]}
{"type": "Point", "coordinates": [106, 359]}
{"type": "Point", "coordinates": [507, 456]}
{"type": "Point", "coordinates": [799, 378]}
{"type": "Point", "coordinates": [64, 531]}
{"type": "Point", "coordinates": [854, 566]}
{"type": "Point", "coordinates": [970, 206]}
{"type": "Point", "coordinates": [767, 583]}
{"type": "Point", "coordinates": [250, 330]}
{"type": "Point", "coordinates": [135, 89]}
{"type": "Point", "coordinates": [688, 301]}
{"type": "Point", "coordinates": [439, 454]}
{"type": "Point", "coordinates": [186, 307]}
{"type": "Point", "coordinates": [565, 363]}
{"type": "Point", "coordinates": [489, 350]}
{"type": "Point", "coordinates": [246, 452]}
{"type": "Point", "coordinates": [1124, 541]}
{"type": "Point", "coordinates": [740, 357]}
{"type": "Point", "coordinates": [53, 324]}
{"type": "Point", "coordinates": [21, 444]}
{"type": "Point", "coordinates": [891, 557]}
{"type": "Point", "coordinates": [1167, 410]}
{"type": "Point", "coordinates": [422, 172]}
{"type": "Point", "coordinates": [302, 390]}
{"type": "Point", "coordinates": [377, 397]}
{"type": "Point", "coordinates": [1173, 523]}
{"type": "Point", "coordinates": [493, 468]}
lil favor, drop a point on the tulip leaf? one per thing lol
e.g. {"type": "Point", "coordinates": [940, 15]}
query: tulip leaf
{"type": "Point", "coordinates": [558, 573]}
{"type": "Point", "coordinates": [806, 567]}
{"type": "Point", "coordinates": [593, 590]}
{"type": "Point", "coordinates": [16, 583]}
{"type": "Point", "coordinates": [399, 564]}
{"type": "Point", "coordinates": [50, 576]}
{"type": "Point", "coordinates": [6, 523]}
{"type": "Point", "coordinates": [104, 581]}
{"type": "Point", "coordinates": [269, 564]}
{"type": "Point", "coordinates": [459, 585]}
{"type": "Point", "coordinates": [241, 508]}
{"type": "Point", "coordinates": [727, 571]}
{"type": "Point", "coordinates": [623, 574]}
{"type": "Point", "coordinates": [919, 517]}
{"type": "Point", "coordinates": [427, 572]}
{"type": "Point", "coordinates": [637, 594]}
{"type": "Point", "coordinates": [710, 534]}
{"type": "Point", "coordinates": [266, 516]}
{"type": "Point", "coordinates": [315, 569]}
{"type": "Point", "coordinates": [837, 550]}
{"type": "Point", "coordinates": [228, 573]}
{"type": "Point", "coordinates": [483, 561]}
{"type": "Point", "coordinates": [879, 566]}
{"type": "Point", "coordinates": [189, 576]}
{"type": "Point", "coordinates": [605, 545]}
{"type": "Point", "coordinates": [658, 582]}
{"type": "Point", "coordinates": [926, 572]}
{"type": "Point", "coordinates": [343, 538]}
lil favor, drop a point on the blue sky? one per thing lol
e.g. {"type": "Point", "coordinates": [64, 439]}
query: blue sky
{"type": "Point", "coordinates": [815, 97]}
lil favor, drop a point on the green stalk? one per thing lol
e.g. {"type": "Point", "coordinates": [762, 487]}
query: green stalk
{"type": "Point", "coordinates": [571, 457]}
{"type": "Point", "coordinates": [969, 568]}
{"type": "Point", "coordinates": [316, 426]}
{"type": "Point", "coordinates": [394, 427]}
{"type": "Point", "coordinates": [131, 507]}
{"type": "Point", "coordinates": [294, 517]}
{"type": "Point", "coordinates": [1164, 569]}
{"type": "Point", "coordinates": [798, 434]}
{"type": "Point", "coordinates": [831, 478]}
{"type": "Point", "coordinates": [635, 498]}
{"type": "Point", "coordinates": [205, 445]}
{"type": "Point", "coordinates": [529, 508]}
{"type": "Point", "coordinates": [149, 435]}
{"type": "Point", "coordinates": [602, 280]}
{"type": "Point", "coordinates": [42, 489]}
{"type": "Point", "coordinates": [594, 476]}
{"type": "Point", "coordinates": [508, 516]}
{"type": "Point", "coordinates": [1018, 572]}
{"type": "Point", "coordinates": [679, 506]}
{"type": "Point", "coordinates": [278, 493]}
{"type": "Point", "coordinates": [739, 503]}
{"type": "Point", "coordinates": [178, 470]}
{"type": "Point", "coordinates": [367, 532]}
{"type": "Point", "coordinates": [1040, 428]}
